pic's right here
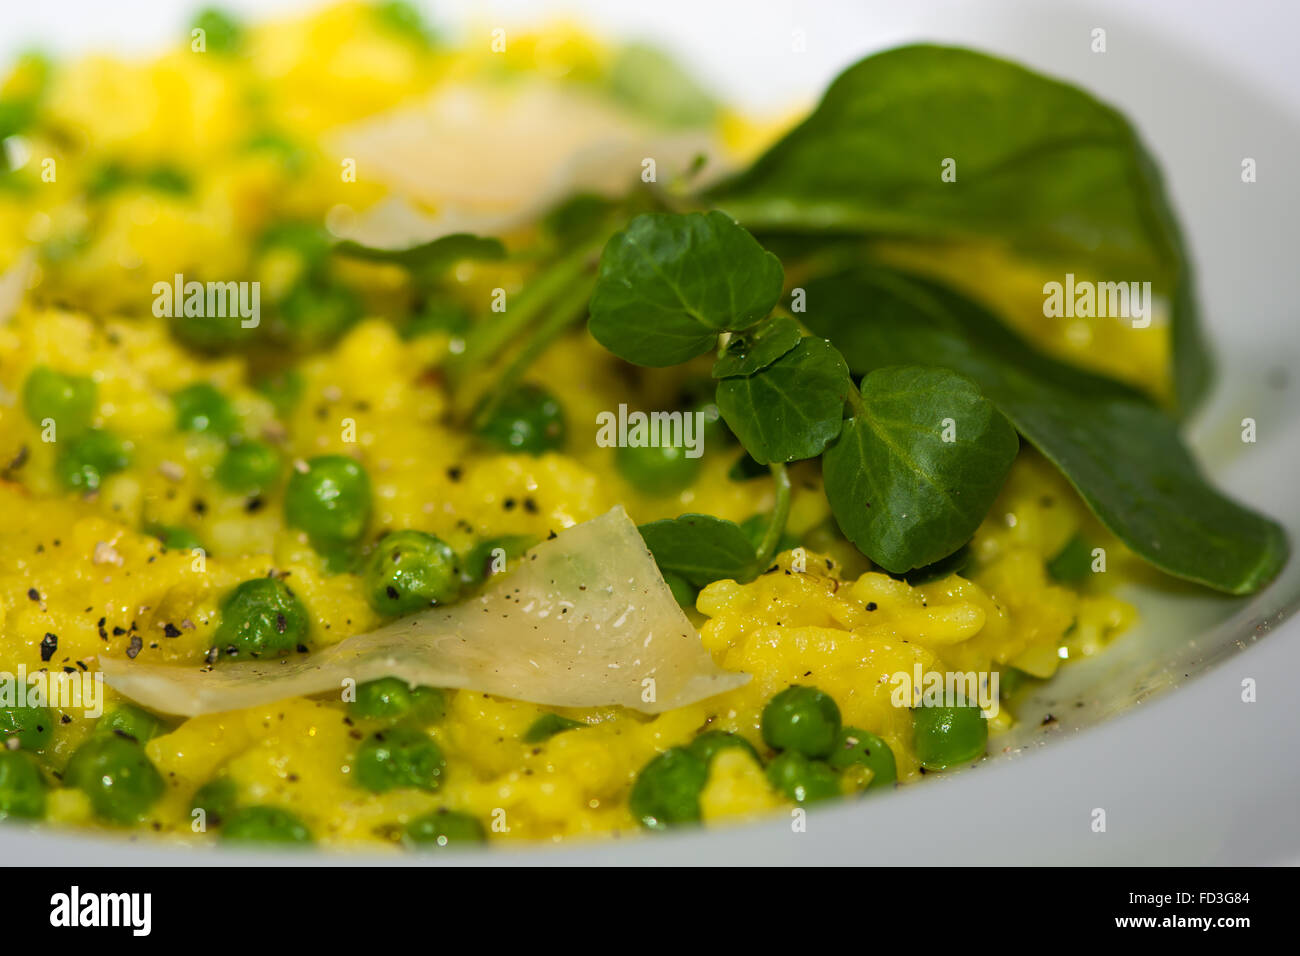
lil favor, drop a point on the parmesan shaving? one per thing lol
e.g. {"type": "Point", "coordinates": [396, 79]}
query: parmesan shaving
{"type": "Point", "coordinates": [487, 159]}
{"type": "Point", "coordinates": [585, 620]}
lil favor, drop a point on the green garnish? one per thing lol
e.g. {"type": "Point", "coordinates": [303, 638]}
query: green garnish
{"type": "Point", "coordinates": [547, 726]}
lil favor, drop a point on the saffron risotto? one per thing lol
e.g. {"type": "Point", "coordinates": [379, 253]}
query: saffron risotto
{"type": "Point", "coordinates": [185, 164]}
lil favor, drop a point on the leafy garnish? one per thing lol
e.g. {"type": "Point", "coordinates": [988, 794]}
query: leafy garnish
{"type": "Point", "coordinates": [668, 284]}
{"type": "Point", "coordinates": [701, 548]}
{"type": "Point", "coordinates": [930, 493]}
{"type": "Point", "coordinates": [1119, 451]}
{"type": "Point", "coordinates": [757, 348]}
{"type": "Point", "coordinates": [918, 465]}
{"type": "Point", "coordinates": [791, 409]}
{"type": "Point", "coordinates": [1037, 164]}
{"type": "Point", "coordinates": [547, 726]}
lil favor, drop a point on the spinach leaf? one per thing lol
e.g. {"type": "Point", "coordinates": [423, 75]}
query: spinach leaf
{"type": "Point", "coordinates": [1119, 451]}
{"type": "Point", "coordinates": [701, 548]}
{"type": "Point", "coordinates": [758, 347]}
{"type": "Point", "coordinates": [428, 260]}
{"type": "Point", "coordinates": [793, 408]}
{"type": "Point", "coordinates": [668, 284]}
{"type": "Point", "coordinates": [1042, 167]}
{"type": "Point", "coordinates": [916, 468]}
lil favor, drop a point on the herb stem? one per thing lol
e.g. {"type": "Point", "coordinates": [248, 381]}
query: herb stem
{"type": "Point", "coordinates": [563, 314]}
{"type": "Point", "coordinates": [780, 513]}
{"type": "Point", "coordinates": [489, 338]}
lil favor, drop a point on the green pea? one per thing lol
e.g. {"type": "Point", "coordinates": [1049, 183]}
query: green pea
{"type": "Point", "coordinates": [167, 179]}
{"type": "Point", "coordinates": [249, 467]}
{"type": "Point", "coordinates": [202, 408]}
{"type": "Point", "coordinates": [211, 334]}
{"type": "Point", "coordinates": [261, 618]}
{"type": "Point", "coordinates": [217, 799]}
{"type": "Point", "coordinates": [707, 745]}
{"type": "Point", "coordinates": [264, 825]}
{"type": "Point", "coordinates": [529, 419]}
{"type": "Point", "coordinates": [547, 726]}
{"type": "Point", "coordinates": [803, 780]}
{"type": "Point", "coordinates": [684, 592]}
{"type": "Point", "coordinates": [443, 828]}
{"type": "Point", "coordinates": [667, 790]}
{"type": "Point", "coordinates": [480, 560]}
{"type": "Point", "coordinates": [382, 698]}
{"type": "Point", "coordinates": [315, 313]}
{"type": "Point", "coordinates": [107, 178]}
{"type": "Point", "coordinates": [802, 719]}
{"type": "Point", "coordinates": [411, 570]}
{"type": "Point", "coordinates": [22, 788]}
{"type": "Point", "coordinates": [285, 150]}
{"type": "Point", "coordinates": [282, 389]}
{"type": "Point", "coordinates": [856, 747]}
{"type": "Point", "coordinates": [947, 736]}
{"type": "Point", "coordinates": [69, 400]}
{"type": "Point", "coordinates": [400, 757]}
{"type": "Point", "coordinates": [665, 470]}
{"type": "Point", "coordinates": [1011, 680]}
{"type": "Point", "coordinates": [428, 704]}
{"type": "Point", "coordinates": [330, 500]}
{"type": "Point", "coordinates": [32, 726]}
{"type": "Point", "coordinates": [127, 720]}
{"type": "Point", "coordinates": [390, 697]}
{"type": "Point", "coordinates": [175, 538]}
{"type": "Point", "coordinates": [222, 32]}
{"type": "Point", "coordinates": [85, 461]}
{"type": "Point", "coordinates": [115, 773]}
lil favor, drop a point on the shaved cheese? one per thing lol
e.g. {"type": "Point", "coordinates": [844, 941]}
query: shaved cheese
{"type": "Point", "coordinates": [488, 158]}
{"type": "Point", "coordinates": [586, 620]}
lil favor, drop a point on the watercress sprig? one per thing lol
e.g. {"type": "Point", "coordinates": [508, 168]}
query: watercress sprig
{"type": "Point", "coordinates": [909, 474]}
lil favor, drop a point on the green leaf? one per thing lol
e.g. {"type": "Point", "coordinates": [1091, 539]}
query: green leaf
{"type": "Point", "coordinates": [1041, 166]}
{"type": "Point", "coordinates": [916, 469]}
{"type": "Point", "coordinates": [757, 348]}
{"type": "Point", "coordinates": [701, 548]}
{"type": "Point", "coordinates": [1119, 451]}
{"type": "Point", "coordinates": [429, 259]}
{"type": "Point", "coordinates": [669, 284]}
{"type": "Point", "coordinates": [793, 408]}
{"type": "Point", "coordinates": [955, 563]}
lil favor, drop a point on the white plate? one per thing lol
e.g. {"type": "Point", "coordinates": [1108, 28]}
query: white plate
{"type": "Point", "coordinates": [1185, 775]}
